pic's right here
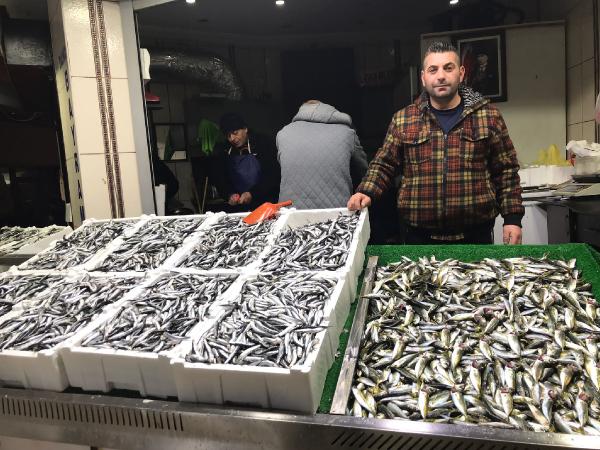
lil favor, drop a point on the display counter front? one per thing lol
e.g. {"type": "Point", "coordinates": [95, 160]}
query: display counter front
{"type": "Point", "coordinates": [123, 420]}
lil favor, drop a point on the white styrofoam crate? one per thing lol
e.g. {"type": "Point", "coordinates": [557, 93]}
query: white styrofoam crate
{"type": "Point", "coordinates": [12, 273]}
{"type": "Point", "coordinates": [137, 222]}
{"type": "Point", "coordinates": [44, 369]}
{"type": "Point", "coordinates": [39, 245]}
{"type": "Point", "coordinates": [177, 259]}
{"type": "Point", "coordinates": [94, 263]}
{"type": "Point", "coordinates": [179, 255]}
{"type": "Point", "coordinates": [35, 370]}
{"type": "Point", "coordinates": [297, 389]}
{"type": "Point", "coordinates": [356, 255]}
{"type": "Point", "coordinates": [74, 276]}
{"type": "Point", "coordinates": [102, 369]}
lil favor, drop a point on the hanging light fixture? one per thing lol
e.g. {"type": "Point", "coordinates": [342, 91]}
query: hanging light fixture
{"type": "Point", "coordinates": [280, 2]}
{"type": "Point", "coordinates": [454, 2]}
{"type": "Point", "coordinates": [190, 2]}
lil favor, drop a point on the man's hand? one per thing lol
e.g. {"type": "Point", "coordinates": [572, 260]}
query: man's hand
{"type": "Point", "coordinates": [359, 201]}
{"type": "Point", "coordinates": [234, 199]}
{"type": "Point", "coordinates": [512, 234]}
{"type": "Point", "coordinates": [245, 198]}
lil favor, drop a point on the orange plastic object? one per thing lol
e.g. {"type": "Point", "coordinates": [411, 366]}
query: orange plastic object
{"type": "Point", "coordinates": [264, 212]}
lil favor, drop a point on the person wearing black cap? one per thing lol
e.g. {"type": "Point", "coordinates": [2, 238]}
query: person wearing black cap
{"type": "Point", "coordinates": [248, 173]}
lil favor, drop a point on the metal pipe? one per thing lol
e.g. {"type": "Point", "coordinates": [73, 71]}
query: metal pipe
{"type": "Point", "coordinates": [210, 71]}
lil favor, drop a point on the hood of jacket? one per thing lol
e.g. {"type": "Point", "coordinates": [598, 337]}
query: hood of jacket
{"type": "Point", "coordinates": [321, 113]}
{"type": "Point", "coordinates": [472, 99]}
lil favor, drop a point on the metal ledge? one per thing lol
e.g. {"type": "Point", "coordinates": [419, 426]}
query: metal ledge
{"type": "Point", "coordinates": [344, 384]}
{"type": "Point", "coordinates": [125, 423]}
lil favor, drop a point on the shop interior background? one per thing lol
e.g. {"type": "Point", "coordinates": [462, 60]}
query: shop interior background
{"type": "Point", "coordinates": [361, 56]}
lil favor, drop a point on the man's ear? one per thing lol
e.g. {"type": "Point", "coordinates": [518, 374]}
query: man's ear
{"type": "Point", "coordinates": [462, 73]}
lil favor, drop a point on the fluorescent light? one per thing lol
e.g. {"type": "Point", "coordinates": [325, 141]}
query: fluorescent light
{"type": "Point", "coordinates": [191, 2]}
{"type": "Point", "coordinates": [454, 2]}
{"type": "Point", "coordinates": [280, 2]}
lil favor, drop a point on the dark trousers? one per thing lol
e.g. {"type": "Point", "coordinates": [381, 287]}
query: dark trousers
{"type": "Point", "coordinates": [420, 236]}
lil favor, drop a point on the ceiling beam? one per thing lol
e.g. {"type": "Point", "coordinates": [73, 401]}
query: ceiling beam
{"type": "Point", "coordinates": [143, 4]}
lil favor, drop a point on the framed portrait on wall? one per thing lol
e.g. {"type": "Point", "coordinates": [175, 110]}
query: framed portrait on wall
{"type": "Point", "coordinates": [483, 56]}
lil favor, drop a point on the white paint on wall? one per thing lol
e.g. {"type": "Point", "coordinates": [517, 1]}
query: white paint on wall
{"type": "Point", "coordinates": [535, 112]}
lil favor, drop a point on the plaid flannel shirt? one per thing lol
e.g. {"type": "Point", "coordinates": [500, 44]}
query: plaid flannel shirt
{"type": "Point", "coordinates": [453, 182]}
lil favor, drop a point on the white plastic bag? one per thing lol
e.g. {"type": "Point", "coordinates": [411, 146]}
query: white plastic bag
{"type": "Point", "coordinates": [583, 148]}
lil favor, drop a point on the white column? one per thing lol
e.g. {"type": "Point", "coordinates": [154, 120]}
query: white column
{"type": "Point", "coordinates": [101, 106]}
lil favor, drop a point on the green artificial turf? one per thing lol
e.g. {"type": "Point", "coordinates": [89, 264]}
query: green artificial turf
{"type": "Point", "coordinates": [588, 262]}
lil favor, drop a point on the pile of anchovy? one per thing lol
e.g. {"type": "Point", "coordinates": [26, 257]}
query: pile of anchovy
{"type": "Point", "coordinates": [14, 289]}
{"type": "Point", "coordinates": [151, 245]}
{"type": "Point", "coordinates": [229, 244]}
{"type": "Point", "coordinates": [80, 246]}
{"type": "Point", "coordinates": [65, 311]}
{"type": "Point", "coordinates": [13, 238]}
{"type": "Point", "coordinates": [162, 316]}
{"type": "Point", "coordinates": [507, 343]}
{"type": "Point", "coordinates": [319, 246]}
{"type": "Point", "coordinates": [274, 323]}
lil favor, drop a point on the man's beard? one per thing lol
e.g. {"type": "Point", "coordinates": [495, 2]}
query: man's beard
{"type": "Point", "coordinates": [448, 95]}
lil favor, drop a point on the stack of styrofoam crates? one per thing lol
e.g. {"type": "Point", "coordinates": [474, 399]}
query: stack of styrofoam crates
{"type": "Point", "coordinates": [131, 226]}
{"type": "Point", "coordinates": [102, 369]}
{"type": "Point", "coordinates": [166, 373]}
{"type": "Point", "coordinates": [123, 241]}
{"type": "Point", "coordinates": [44, 369]}
{"type": "Point", "coordinates": [298, 388]}
{"type": "Point", "coordinates": [27, 242]}
{"type": "Point", "coordinates": [149, 373]}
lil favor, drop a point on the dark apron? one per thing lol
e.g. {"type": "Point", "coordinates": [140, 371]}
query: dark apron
{"type": "Point", "coordinates": [244, 172]}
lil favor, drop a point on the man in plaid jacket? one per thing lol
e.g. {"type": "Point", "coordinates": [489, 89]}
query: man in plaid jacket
{"type": "Point", "coordinates": [458, 164]}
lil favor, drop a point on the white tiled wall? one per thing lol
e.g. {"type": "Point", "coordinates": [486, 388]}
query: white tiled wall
{"type": "Point", "coordinates": [78, 94]}
{"type": "Point", "coordinates": [114, 33]}
{"type": "Point", "coordinates": [76, 22]}
{"type": "Point", "coordinates": [581, 84]}
{"type": "Point", "coordinates": [574, 95]}
{"type": "Point", "coordinates": [129, 181]}
{"type": "Point", "coordinates": [86, 113]}
{"type": "Point", "coordinates": [94, 185]}
{"type": "Point", "coordinates": [123, 118]}
{"type": "Point", "coordinates": [575, 132]}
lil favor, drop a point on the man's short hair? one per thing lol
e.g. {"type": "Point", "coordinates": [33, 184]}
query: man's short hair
{"type": "Point", "coordinates": [440, 47]}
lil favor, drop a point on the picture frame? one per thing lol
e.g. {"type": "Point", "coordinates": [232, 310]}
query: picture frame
{"type": "Point", "coordinates": [483, 55]}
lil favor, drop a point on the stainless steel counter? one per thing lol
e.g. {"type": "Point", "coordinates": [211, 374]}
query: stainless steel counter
{"type": "Point", "coordinates": [129, 424]}
{"type": "Point", "coordinates": [132, 423]}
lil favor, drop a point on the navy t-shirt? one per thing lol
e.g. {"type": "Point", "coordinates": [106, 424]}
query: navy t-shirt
{"type": "Point", "coordinates": [448, 118]}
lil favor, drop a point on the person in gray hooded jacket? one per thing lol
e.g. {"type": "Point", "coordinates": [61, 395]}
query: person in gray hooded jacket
{"type": "Point", "coordinates": [320, 156]}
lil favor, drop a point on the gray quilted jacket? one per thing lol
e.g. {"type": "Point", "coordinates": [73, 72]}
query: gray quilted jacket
{"type": "Point", "coordinates": [321, 158]}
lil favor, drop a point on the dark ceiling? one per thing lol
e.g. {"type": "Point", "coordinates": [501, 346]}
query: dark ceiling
{"type": "Point", "coordinates": [299, 17]}
{"type": "Point", "coordinates": [264, 18]}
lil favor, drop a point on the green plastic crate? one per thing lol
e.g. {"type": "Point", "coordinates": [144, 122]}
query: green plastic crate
{"type": "Point", "coordinates": [588, 262]}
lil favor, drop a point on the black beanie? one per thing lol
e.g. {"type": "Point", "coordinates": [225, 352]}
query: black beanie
{"type": "Point", "coordinates": [231, 122]}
